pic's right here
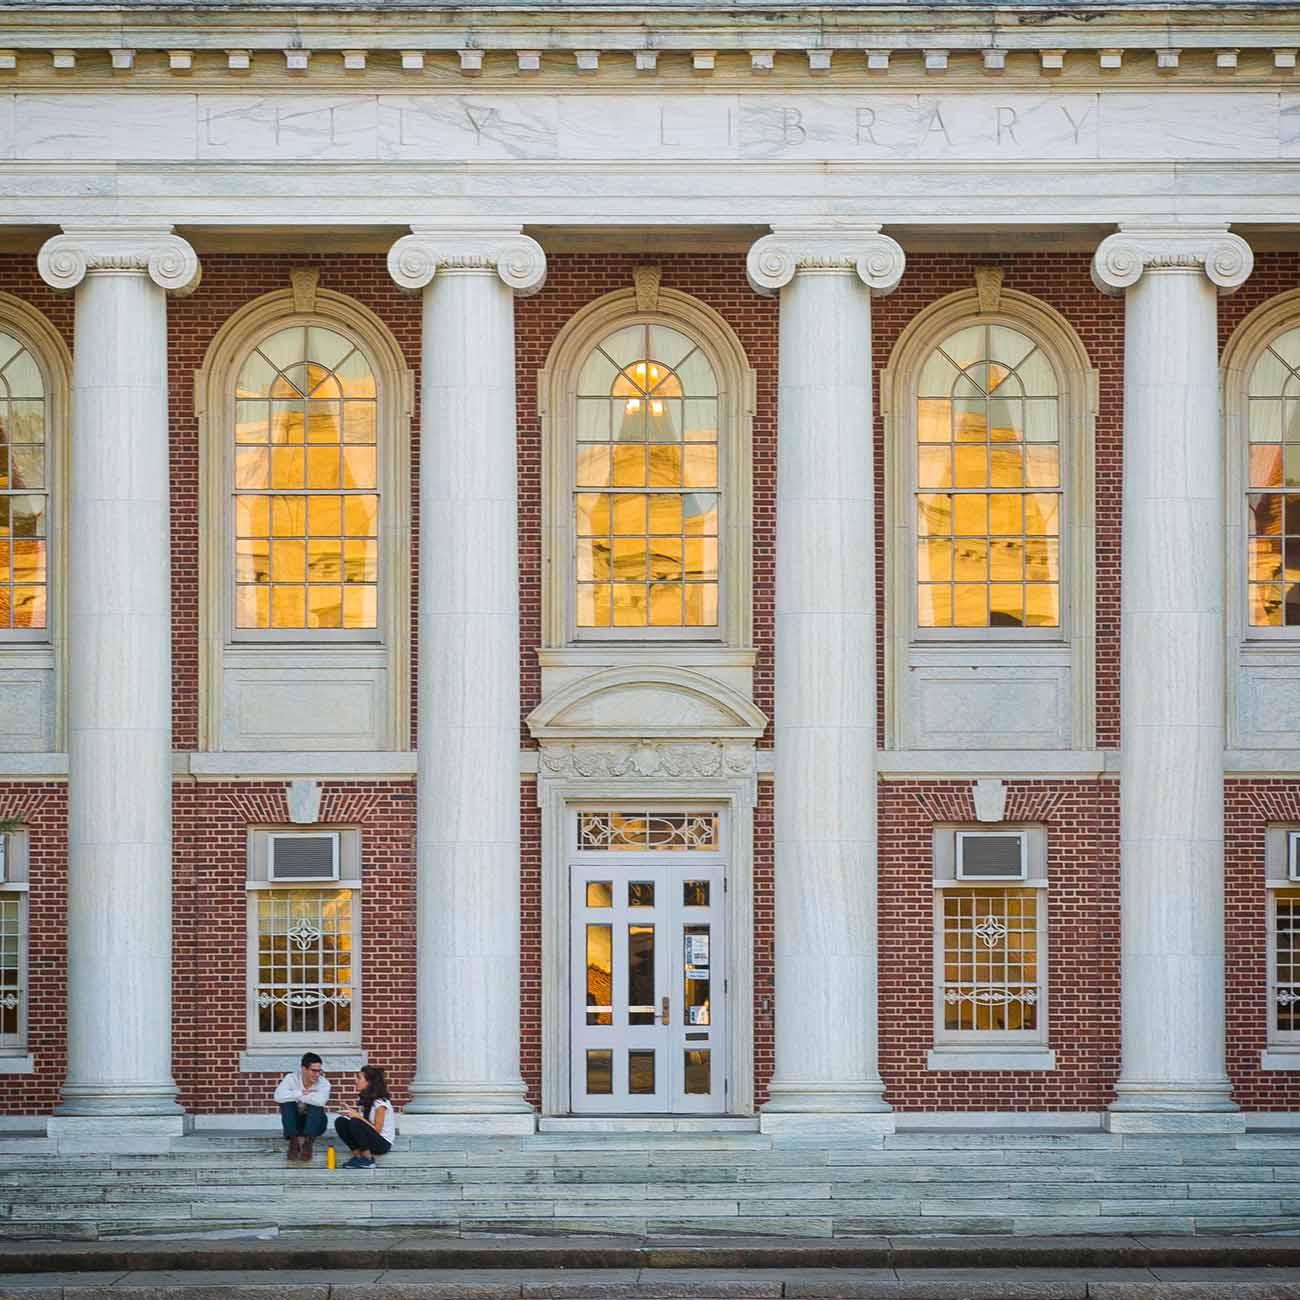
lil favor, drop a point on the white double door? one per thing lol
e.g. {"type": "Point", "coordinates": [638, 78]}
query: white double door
{"type": "Point", "coordinates": [648, 988]}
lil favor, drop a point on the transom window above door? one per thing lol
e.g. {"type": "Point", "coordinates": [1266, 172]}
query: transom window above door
{"type": "Point", "coordinates": [647, 498]}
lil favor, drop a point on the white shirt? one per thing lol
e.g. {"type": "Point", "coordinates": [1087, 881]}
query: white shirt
{"type": "Point", "coordinates": [291, 1088]}
{"type": "Point", "coordinates": [388, 1129]}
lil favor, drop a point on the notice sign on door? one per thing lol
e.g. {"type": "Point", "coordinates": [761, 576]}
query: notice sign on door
{"type": "Point", "coordinates": [697, 956]}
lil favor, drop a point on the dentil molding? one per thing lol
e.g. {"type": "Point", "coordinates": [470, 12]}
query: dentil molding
{"type": "Point", "coordinates": [416, 258]}
{"type": "Point", "coordinates": [776, 258]}
{"type": "Point", "coordinates": [1121, 260]}
{"type": "Point", "coordinates": [169, 261]}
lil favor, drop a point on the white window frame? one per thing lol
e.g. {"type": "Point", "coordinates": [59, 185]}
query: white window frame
{"type": "Point", "coordinates": [41, 654]}
{"type": "Point", "coordinates": [258, 884]}
{"type": "Point", "coordinates": [331, 653]}
{"type": "Point", "coordinates": [1012, 1049]}
{"type": "Point", "coordinates": [17, 848]}
{"type": "Point", "coordinates": [1017, 654]}
{"type": "Point", "coordinates": [557, 398]}
{"type": "Point", "coordinates": [1282, 1050]}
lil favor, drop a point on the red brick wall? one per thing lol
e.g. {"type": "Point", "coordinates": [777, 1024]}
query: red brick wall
{"type": "Point", "coordinates": [42, 806]}
{"type": "Point", "coordinates": [210, 908]}
{"type": "Point", "coordinates": [1249, 808]}
{"type": "Point", "coordinates": [1082, 821]}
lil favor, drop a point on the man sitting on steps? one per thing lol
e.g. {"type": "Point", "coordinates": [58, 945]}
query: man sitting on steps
{"type": "Point", "coordinates": [302, 1095]}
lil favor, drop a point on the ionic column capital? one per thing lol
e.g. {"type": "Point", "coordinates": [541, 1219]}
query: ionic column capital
{"type": "Point", "coordinates": [1121, 260]}
{"type": "Point", "coordinates": [775, 259]}
{"type": "Point", "coordinates": [168, 260]}
{"type": "Point", "coordinates": [416, 258]}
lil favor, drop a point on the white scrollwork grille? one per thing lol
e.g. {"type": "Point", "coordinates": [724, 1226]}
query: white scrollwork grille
{"type": "Point", "coordinates": [12, 991]}
{"type": "Point", "coordinates": [990, 959]}
{"type": "Point", "coordinates": [1286, 961]}
{"type": "Point", "coordinates": [304, 942]}
{"type": "Point", "coordinates": [640, 832]}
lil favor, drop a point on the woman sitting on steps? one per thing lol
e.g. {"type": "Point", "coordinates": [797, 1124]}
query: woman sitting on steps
{"type": "Point", "coordinates": [368, 1128]}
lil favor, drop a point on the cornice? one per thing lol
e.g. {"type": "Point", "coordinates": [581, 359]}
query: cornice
{"type": "Point", "coordinates": [1122, 259]}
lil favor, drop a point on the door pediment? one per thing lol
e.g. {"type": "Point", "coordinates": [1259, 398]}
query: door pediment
{"type": "Point", "coordinates": [620, 703]}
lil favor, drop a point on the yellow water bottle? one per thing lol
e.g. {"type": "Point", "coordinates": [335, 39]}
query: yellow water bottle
{"type": "Point", "coordinates": [329, 1156]}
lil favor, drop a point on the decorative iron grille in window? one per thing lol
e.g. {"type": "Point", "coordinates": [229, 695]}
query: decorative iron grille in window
{"type": "Point", "coordinates": [11, 966]}
{"type": "Point", "coordinates": [24, 490]}
{"type": "Point", "coordinates": [304, 944]}
{"type": "Point", "coordinates": [990, 959]}
{"type": "Point", "coordinates": [1286, 961]}
{"type": "Point", "coordinates": [642, 831]}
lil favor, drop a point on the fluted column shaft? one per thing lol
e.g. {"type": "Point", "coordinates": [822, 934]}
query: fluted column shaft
{"type": "Point", "coordinates": [119, 672]}
{"type": "Point", "coordinates": [826, 1071]}
{"type": "Point", "coordinates": [467, 1066]}
{"type": "Point", "coordinates": [1172, 676]}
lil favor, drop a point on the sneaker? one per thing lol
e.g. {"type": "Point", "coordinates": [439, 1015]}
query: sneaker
{"type": "Point", "coordinates": [355, 1163]}
{"type": "Point", "coordinates": [365, 1163]}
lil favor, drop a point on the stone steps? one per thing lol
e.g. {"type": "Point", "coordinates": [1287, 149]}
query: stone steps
{"type": "Point", "coordinates": [704, 1184]}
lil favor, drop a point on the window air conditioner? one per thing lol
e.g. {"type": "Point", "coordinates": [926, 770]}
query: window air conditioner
{"type": "Point", "coordinates": [991, 855]}
{"type": "Point", "coordinates": [303, 857]}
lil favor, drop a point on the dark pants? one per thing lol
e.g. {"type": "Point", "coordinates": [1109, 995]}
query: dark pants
{"type": "Point", "coordinates": [359, 1136]}
{"type": "Point", "coordinates": [308, 1122]}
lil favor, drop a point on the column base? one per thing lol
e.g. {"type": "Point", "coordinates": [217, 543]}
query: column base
{"type": "Point", "coordinates": [467, 1109]}
{"type": "Point", "coordinates": [1174, 1108]}
{"type": "Point", "coordinates": [868, 1124]}
{"type": "Point", "coordinates": [803, 1107]}
{"type": "Point", "coordinates": [143, 1133]}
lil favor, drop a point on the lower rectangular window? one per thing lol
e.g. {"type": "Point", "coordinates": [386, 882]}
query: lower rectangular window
{"type": "Point", "coordinates": [1284, 968]}
{"type": "Point", "coordinates": [13, 983]}
{"type": "Point", "coordinates": [990, 960]}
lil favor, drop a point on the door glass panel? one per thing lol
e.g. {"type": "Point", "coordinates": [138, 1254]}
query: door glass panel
{"type": "Point", "coordinates": [600, 1071]}
{"type": "Point", "coordinates": [599, 975]}
{"type": "Point", "coordinates": [641, 1072]}
{"type": "Point", "coordinates": [600, 893]}
{"type": "Point", "coordinates": [697, 1072]}
{"type": "Point", "coordinates": [640, 974]}
{"type": "Point", "coordinates": [641, 893]}
{"type": "Point", "coordinates": [695, 966]}
{"type": "Point", "coordinates": [695, 893]}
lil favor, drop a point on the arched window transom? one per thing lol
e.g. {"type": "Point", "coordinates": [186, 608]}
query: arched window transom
{"type": "Point", "coordinates": [24, 490]}
{"type": "Point", "coordinates": [988, 487]}
{"type": "Point", "coordinates": [647, 500]}
{"type": "Point", "coordinates": [306, 484]}
{"type": "Point", "coordinates": [1273, 485]}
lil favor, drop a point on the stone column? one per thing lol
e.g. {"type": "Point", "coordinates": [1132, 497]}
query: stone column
{"type": "Point", "coordinates": [119, 680]}
{"type": "Point", "coordinates": [1172, 680]}
{"type": "Point", "coordinates": [467, 1068]}
{"type": "Point", "coordinates": [826, 1076]}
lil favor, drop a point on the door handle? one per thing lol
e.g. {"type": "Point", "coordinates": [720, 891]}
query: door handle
{"type": "Point", "coordinates": [663, 1011]}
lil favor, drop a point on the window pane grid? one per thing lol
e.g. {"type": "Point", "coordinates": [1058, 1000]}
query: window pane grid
{"type": "Point", "coordinates": [1273, 486]}
{"type": "Point", "coordinates": [646, 499]}
{"type": "Point", "coordinates": [24, 490]}
{"type": "Point", "coordinates": [646, 831]}
{"type": "Point", "coordinates": [990, 959]}
{"type": "Point", "coordinates": [12, 991]}
{"type": "Point", "coordinates": [304, 941]}
{"type": "Point", "coordinates": [1286, 961]}
{"type": "Point", "coordinates": [988, 484]}
{"type": "Point", "coordinates": [306, 500]}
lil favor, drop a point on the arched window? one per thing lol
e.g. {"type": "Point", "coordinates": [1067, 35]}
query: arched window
{"type": "Point", "coordinates": [989, 415]}
{"type": "Point", "coordinates": [24, 494]}
{"type": "Point", "coordinates": [987, 489]}
{"type": "Point", "coordinates": [305, 485]}
{"type": "Point", "coordinates": [1272, 515]}
{"type": "Point", "coordinates": [647, 493]}
{"type": "Point", "coordinates": [305, 412]}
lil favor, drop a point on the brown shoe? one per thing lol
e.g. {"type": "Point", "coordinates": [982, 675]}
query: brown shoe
{"type": "Point", "coordinates": [294, 1144]}
{"type": "Point", "coordinates": [304, 1150]}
